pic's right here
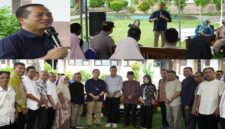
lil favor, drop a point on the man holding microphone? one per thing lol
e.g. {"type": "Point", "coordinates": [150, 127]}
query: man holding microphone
{"type": "Point", "coordinates": [160, 19]}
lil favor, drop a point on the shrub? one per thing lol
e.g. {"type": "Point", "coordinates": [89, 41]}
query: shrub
{"type": "Point", "coordinates": [131, 9]}
{"type": "Point", "coordinates": [108, 2]}
{"type": "Point", "coordinates": [136, 68]}
{"type": "Point", "coordinates": [85, 75]}
{"type": "Point", "coordinates": [103, 76]}
{"type": "Point", "coordinates": [96, 3]}
{"type": "Point", "coordinates": [117, 5]}
{"type": "Point", "coordinates": [8, 22]}
{"type": "Point", "coordinates": [125, 3]}
{"type": "Point", "coordinates": [9, 69]}
{"type": "Point", "coordinates": [69, 74]}
{"type": "Point", "coordinates": [143, 6]}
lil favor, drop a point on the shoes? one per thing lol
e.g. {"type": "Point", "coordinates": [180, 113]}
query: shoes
{"type": "Point", "coordinates": [108, 125]}
{"type": "Point", "coordinates": [88, 127]}
{"type": "Point", "coordinates": [114, 125]}
{"type": "Point", "coordinates": [135, 126]}
{"type": "Point", "coordinates": [98, 125]}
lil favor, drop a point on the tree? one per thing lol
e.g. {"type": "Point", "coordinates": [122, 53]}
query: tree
{"type": "Point", "coordinates": [202, 4]}
{"type": "Point", "coordinates": [147, 69]}
{"type": "Point", "coordinates": [85, 75]}
{"type": "Point", "coordinates": [8, 22]}
{"type": "Point", "coordinates": [136, 68]}
{"type": "Point", "coordinates": [182, 4]}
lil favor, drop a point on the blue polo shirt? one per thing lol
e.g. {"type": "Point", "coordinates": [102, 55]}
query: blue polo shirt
{"type": "Point", "coordinates": [160, 24]}
{"type": "Point", "coordinates": [25, 45]}
{"type": "Point", "coordinates": [95, 87]}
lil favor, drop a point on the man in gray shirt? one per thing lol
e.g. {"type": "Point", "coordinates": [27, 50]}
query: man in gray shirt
{"type": "Point", "coordinates": [114, 84]}
{"type": "Point", "coordinates": [103, 43]}
{"type": "Point", "coordinates": [173, 101]}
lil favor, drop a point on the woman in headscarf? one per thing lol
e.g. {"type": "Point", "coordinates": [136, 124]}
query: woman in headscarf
{"type": "Point", "coordinates": [147, 100]}
{"type": "Point", "coordinates": [199, 48]}
{"type": "Point", "coordinates": [63, 110]}
{"type": "Point", "coordinates": [220, 36]}
{"type": "Point", "coordinates": [203, 29]}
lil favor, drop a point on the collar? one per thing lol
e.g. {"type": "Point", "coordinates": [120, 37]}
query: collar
{"type": "Point", "coordinates": [41, 81]}
{"type": "Point", "coordinates": [30, 35]}
{"type": "Point", "coordinates": [1, 89]}
{"type": "Point", "coordinates": [103, 33]}
{"type": "Point", "coordinates": [15, 75]}
{"type": "Point", "coordinates": [94, 79]}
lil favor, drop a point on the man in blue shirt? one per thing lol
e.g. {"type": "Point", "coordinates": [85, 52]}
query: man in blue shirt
{"type": "Point", "coordinates": [160, 19]}
{"type": "Point", "coordinates": [31, 41]}
{"type": "Point", "coordinates": [95, 89]}
{"type": "Point", "coordinates": [187, 98]}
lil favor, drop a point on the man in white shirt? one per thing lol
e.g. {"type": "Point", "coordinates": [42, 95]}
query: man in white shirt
{"type": "Point", "coordinates": [173, 101]}
{"type": "Point", "coordinates": [209, 93]}
{"type": "Point", "coordinates": [222, 111]}
{"type": "Point", "coordinates": [114, 84]}
{"type": "Point", "coordinates": [53, 98]}
{"type": "Point", "coordinates": [33, 97]}
{"type": "Point", "coordinates": [7, 102]}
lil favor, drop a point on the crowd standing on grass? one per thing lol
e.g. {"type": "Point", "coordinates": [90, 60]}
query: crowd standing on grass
{"type": "Point", "coordinates": [34, 99]}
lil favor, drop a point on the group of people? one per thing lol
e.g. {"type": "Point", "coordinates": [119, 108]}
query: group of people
{"type": "Point", "coordinates": [36, 100]}
{"type": "Point", "coordinates": [33, 101]}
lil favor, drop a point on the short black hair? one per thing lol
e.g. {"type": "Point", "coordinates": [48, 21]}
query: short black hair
{"type": "Point", "coordinates": [130, 73]}
{"type": "Point", "coordinates": [95, 70]}
{"type": "Point", "coordinates": [77, 74]}
{"type": "Point", "coordinates": [134, 32]}
{"type": "Point", "coordinates": [211, 68]}
{"type": "Point", "coordinates": [188, 68]}
{"type": "Point", "coordinates": [18, 63]}
{"type": "Point", "coordinates": [30, 67]}
{"type": "Point", "coordinates": [171, 71]}
{"type": "Point", "coordinates": [164, 70]}
{"type": "Point", "coordinates": [171, 35]}
{"type": "Point", "coordinates": [1, 72]}
{"type": "Point", "coordinates": [22, 12]}
{"type": "Point", "coordinates": [220, 71]}
{"type": "Point", "coordinates": [201, 73]}
{"type": "Point", "coordinates": [74, 27]}
{"type": "Point", "coordinates": [113, 67]}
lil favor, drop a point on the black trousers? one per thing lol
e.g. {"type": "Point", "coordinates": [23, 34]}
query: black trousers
{"type": "Point", "coordinates": [51, 117]}
{"type": "Point", "coordinates": [42, 118]}
{"type": "Point", "coordinates": [32, 117]}
{"type": "Point", "coordinates": [112, 109]}
{"type": "Point", "coordinates": [189, 120]}
{"type": "Point", "coordinates": [146, 116]}
{"type": "Point", "coordinates": [20, 123]}
{"type": "Point", "coordinates": [208, 121]}
{"type": "Point", "coordinates": [222, 123]}
{"type": "Point", "coordinates": [163, 113]}
{"type": "Point", "coordinates": [11, 126]}
{"type": "Point", "coordinates": [133, 109]}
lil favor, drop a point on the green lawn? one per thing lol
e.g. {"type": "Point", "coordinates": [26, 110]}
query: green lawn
{"type": "Point", "coordinates": [121, 28]}
{"type": "Point", "coordinates": [155, 123]}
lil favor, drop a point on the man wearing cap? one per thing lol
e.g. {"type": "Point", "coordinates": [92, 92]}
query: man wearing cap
{"type": "Point", "coordinates": [160, 19]}
{"type": "Point", "coordinates": [131, 92]}
{"type": "Point", "coordinates": [103, 43]}
{"type": "Point", "coordinates": [220, 36]}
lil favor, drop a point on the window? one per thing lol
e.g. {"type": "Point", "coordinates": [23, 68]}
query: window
{"type": "Point", "coordinates": [78, 62]}
{"type": "Point", "coordinates": [127, 63]}
{"type": "Point", "coordinates": [106, 62]}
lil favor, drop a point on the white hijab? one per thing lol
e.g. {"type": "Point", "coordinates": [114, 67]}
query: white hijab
{"type": "Point", "coordinates": [63, 88]}
{"type": "Point", "coordinates": [127, 48]}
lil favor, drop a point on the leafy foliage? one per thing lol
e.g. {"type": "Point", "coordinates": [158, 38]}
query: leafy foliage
{"type": "Point", "coordinates": [69, 74]}
{"type": "Point", "coordinates": [9, 69]}
{"type": "Point", "coordinates": [8, 22]}
{"type": "Point", "coordinates": [117, 5]}
{"type": "Point", "coordinates": [131, 9]}
{"type": "Point", "coordinates": [147, 69]}
{"type": "Point", "coordinates": [182, 4]}
{"type": "Point", "coordinates": [47, 67]}
{"type": "Point", "coordinates": [143, 6]}
{"type": "Point", "coordinates": [96, 3]}
{"type": "Point", "coordinates": [103, 76]}
{"type": "Point", "coordinates": [136, 68]}
{"type": "Point", "coordinates": [85, 75]}
{"type": "Point", "coordinates": [202, 3]}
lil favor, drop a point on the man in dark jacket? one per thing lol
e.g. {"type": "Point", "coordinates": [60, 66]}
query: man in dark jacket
{"type": "Point", "coordinates": [77, 100]}
{"type": "Point", "coordinates": [187, 98]}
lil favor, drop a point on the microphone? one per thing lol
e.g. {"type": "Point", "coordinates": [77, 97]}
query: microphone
{"type": "Point", "coordinates": [51, 31]}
